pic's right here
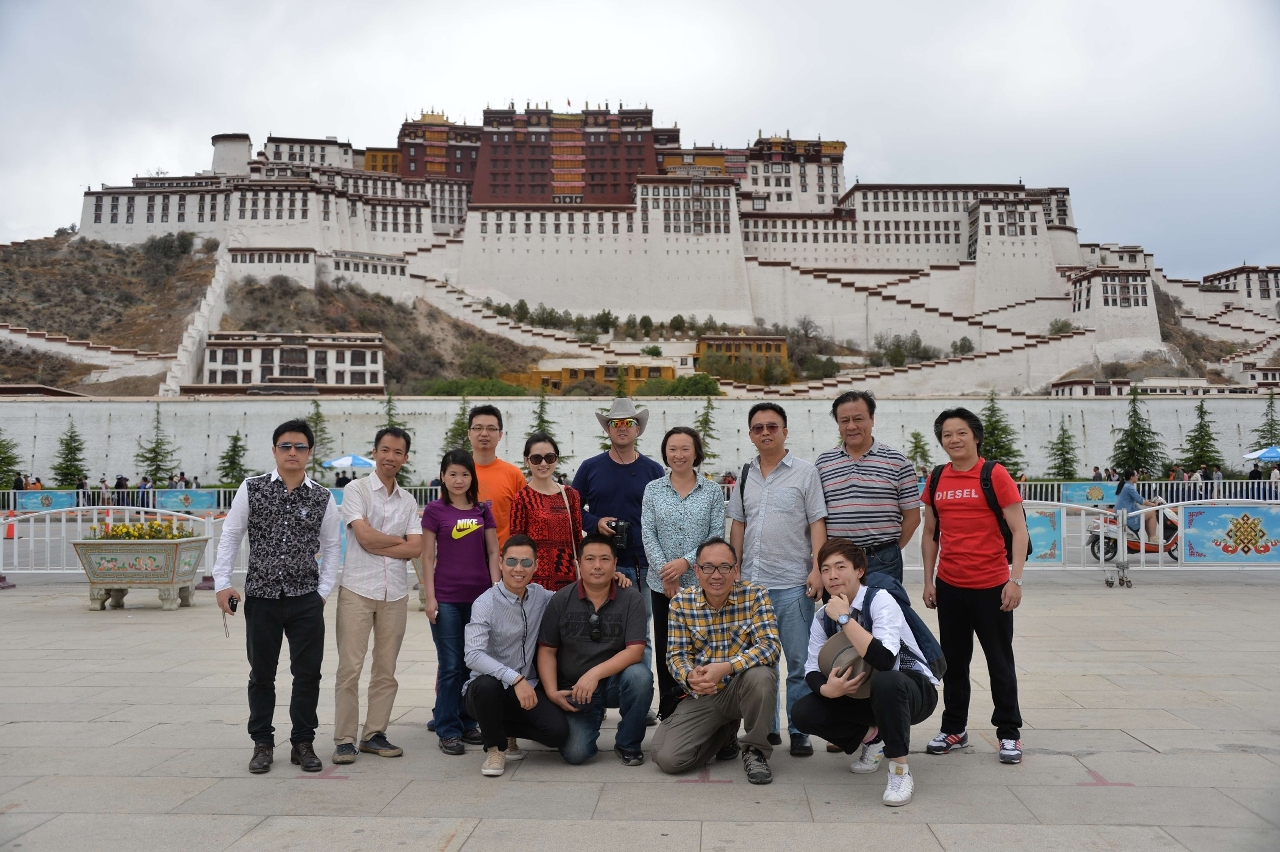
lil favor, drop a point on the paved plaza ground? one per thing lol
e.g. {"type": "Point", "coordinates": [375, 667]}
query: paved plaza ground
{"type": "Point", "coordinates": [1150, 713]}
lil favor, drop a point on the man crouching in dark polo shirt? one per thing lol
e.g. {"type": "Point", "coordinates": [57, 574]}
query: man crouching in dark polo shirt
{"type": "Point", "coordinates": [590, 656]}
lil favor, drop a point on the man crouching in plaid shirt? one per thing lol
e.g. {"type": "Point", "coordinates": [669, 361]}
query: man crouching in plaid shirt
{"type": "Point", "coordinates": [722, 647]}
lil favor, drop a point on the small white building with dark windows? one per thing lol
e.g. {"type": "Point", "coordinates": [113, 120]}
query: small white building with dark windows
{"type": "Point", "coordinates": [254, 362]}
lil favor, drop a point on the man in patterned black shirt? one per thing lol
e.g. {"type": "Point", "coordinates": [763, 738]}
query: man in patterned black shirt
{"type": "Point", "coordinates": [289, 518]}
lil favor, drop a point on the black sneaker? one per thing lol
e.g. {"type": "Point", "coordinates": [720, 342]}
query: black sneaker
{"type": "Point", "coordinates": [431, 725]}
{"type": "Point", "coordinates": [452, 745]}
{"type": "Point", "coordinates": [263, 754]}
{"type": "Point", "coordinates": [757, 768]}
{"type": "Point", "coordinates": [377, 744]}
{"type": "Point", "coordinates": [628, 758]}
{"type": "Point", "coordinates": [473, 737]}
{"type": "Point", "coordinates": [304, 755]}
{"type": "Point", "coordinates": [775, 739]}
{"type": "Point", "coordinates": [730, 750]}
{"type": "Point", "coordinates": [800, 746]}
{"type": "Point", "coordinates": [345, 753]}
{"type": "Point", "coordinates": [945, 743]}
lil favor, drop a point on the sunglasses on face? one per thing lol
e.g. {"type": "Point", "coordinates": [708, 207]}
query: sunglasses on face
{"type": "Point", "coordinates": [512, 562]}
{"type": "Point", "coordinates": [726, 570]}
{"type": "Point", "coordinates": [549, 458]}
{"type": "Point", "coordinates": [761, 428]}
{"type": "Point", "coordinates": [623, 423]}
{"type": "Point", "coordinates": [594, 621]}
{"type": "Point", "coordinates": [286, 447]}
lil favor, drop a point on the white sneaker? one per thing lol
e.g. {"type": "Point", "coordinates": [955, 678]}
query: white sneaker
{"type": "Point", "coordinates": [495, 762]}
{"type": "Point", "coordinates": [514, 752]}
{"type": "Point", "coordinates": [868, 759]}
{"type": "Point", "coordinates": [901, 786]}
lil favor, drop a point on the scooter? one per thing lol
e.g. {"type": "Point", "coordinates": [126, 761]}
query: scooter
{"type": "Point", "coordinates": [1169, 543]}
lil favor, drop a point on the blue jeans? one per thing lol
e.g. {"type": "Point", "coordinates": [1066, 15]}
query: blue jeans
{"type": "Point", "coordinates": [794, 611]}
{"type": "Point", "coordinates": [451, 672]}
{"type": "Point", "coordinates": [886, 560]}
{"type": "Point", "coordinates": [631, 691]}
{"type": "Point", "coordinates": [640, 583]}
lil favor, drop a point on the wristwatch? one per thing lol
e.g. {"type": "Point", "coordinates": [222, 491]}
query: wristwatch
{"type": "Point", "coordinates": [1017, 581]}
{"type": "Point", "coordinates": [843, 620]}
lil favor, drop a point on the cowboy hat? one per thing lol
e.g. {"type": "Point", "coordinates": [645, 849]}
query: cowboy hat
{"type": "Point", "coordinates": [623, 408]}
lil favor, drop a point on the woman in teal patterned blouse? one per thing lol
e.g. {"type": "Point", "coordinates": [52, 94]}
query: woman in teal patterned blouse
{"type": "Point", "coordinates": [679, 512]}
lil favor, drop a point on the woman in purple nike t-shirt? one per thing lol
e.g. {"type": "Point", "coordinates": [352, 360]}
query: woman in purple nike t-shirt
{"type": "Point", "coordinates": [459, 563]}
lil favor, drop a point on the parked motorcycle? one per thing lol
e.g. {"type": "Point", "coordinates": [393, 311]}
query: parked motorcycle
{"type": "Point", "coordinates": [1102, 539]}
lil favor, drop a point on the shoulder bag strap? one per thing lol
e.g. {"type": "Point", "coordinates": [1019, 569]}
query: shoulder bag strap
{"type": "Point", "coordinates": [573, 545]}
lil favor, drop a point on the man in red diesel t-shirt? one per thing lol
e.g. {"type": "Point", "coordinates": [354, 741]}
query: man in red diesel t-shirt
{"type": "Point", "coordinates": [976, 589]}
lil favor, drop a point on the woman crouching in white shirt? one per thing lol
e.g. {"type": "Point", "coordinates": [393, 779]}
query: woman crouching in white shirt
{"type": "Point", "coordinates": [903, 690]}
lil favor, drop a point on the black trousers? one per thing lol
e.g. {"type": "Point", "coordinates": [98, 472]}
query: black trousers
{"type": "Point", "coordinates": [961, 614]}
{"type": "Point", "coordinates": [500, 715]}
{"type": "Point", "coordinates": [898, 701]}
{"type": "Point", "coordinates": [668, 688]}
{"type": "Point", "coordinates": [266, 622]}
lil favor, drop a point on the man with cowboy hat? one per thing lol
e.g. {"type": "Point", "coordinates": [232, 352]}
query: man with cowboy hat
{"type": "Point", "coordinates": [612, 489]}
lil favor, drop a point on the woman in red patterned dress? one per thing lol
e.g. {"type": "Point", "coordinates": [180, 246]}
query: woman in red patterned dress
{"type": "Point", "coordinates": [539, 511]}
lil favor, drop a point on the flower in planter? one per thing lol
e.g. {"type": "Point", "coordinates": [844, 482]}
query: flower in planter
{"type": "Point", "coordinates": [141, 531]}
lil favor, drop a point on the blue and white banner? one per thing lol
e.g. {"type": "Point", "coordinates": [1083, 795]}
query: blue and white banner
{"type": "Point", "coordinates": [44, 501]}
{"type": "Point", "coordinates": [186, 499]}
{"type": "Point", "coordinates": [1089, 493]}
{"type": "Point", "coordinates": [1241, 535]}
{"type": "Point", "coordinates": [1048, 544]}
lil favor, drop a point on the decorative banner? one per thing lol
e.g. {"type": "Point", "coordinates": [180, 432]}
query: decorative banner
{"type": "Point", "coordinates": [1241, 535]}
{"type": "Point", "coordinates": [337, 495]}
{"type": "Point", "coordinates": [186, 499]}
{"type": "Point", "coordinates": [1089, 493]}
{"type": "Point", "coordinates": [44, 501]}
{"type": "Point", "coordinates": [1048, 543]}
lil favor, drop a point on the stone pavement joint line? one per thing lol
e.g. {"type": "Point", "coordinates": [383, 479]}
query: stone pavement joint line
{"type": "Point", "coordinates": [1149, 714]}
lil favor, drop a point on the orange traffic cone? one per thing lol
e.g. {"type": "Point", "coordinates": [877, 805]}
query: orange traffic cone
{"type": "Point", "coordinates": [9, 530]}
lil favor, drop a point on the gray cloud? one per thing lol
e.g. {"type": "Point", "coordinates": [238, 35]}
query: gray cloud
{"type": "Point", "coordinates": [1162, 118]}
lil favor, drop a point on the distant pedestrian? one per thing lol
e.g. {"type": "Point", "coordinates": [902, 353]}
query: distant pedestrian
{"type": "Point", "coordinates": [1097, 474]}
{"type": "Point", "coordinates": [1217, 482]}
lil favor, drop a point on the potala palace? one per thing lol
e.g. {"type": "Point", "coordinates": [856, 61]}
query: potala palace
{"type": "Point", "coordinates": [600, 209]}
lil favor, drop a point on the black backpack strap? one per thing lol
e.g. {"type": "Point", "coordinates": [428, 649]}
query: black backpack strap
{"type": "Point", "coordinates": [742, 487]}
{"type": "Point", "coordinates": [934, 478]}
{"type": "Point", "coordinates": [989, 493]}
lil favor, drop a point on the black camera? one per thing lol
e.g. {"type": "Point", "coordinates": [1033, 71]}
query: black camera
{"type": "Point", "coordinates": [621, 534]}
{"type": "Point", "coordinates": [232, 602]}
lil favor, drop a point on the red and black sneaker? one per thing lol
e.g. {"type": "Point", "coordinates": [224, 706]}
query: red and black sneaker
{"type": "Point", "coordinates": [943, 743]}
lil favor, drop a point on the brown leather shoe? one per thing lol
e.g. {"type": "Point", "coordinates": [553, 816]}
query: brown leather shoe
{"type": "Point", "coordinates": [304, 754]}
{"type": "Point", "coordinates": [263, 754]}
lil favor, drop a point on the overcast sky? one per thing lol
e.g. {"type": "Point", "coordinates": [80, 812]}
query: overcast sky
{"type": "Point", "coordinates": [1163, 118]}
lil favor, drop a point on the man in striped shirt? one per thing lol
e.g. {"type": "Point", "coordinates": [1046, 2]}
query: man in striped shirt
{"type": "Point", "coordinates": [872, 494]}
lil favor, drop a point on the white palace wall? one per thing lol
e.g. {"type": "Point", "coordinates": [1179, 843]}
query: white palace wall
{"type": "Point", "coordinates": [200, 427]}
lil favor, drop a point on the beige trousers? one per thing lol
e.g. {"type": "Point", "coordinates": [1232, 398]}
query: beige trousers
{"type": "Point", "coordinates": [357, 617]}
{"type": "Point", "coordinates": [700, 726]}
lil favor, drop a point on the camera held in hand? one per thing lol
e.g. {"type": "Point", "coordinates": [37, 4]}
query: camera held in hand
{"type": "Point", "coordinates": [621, 534]}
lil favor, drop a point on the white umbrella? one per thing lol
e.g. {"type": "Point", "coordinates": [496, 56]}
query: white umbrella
{"type": "Point", "coordinates": [348, 461]}
{"type": "Point", "coordinates": [1268, 454]}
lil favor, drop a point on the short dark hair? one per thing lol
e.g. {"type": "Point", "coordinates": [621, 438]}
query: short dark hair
{"type": "Point", "coordinates": [698, 454]}
{"type": "Point", "coordinates": [697, 556]}
{"type": "Point", "coordinates": [540, 438]}
{"type": "Point", "coordinates": [393, 431]}
{"type": "Point", "coordinates": [520, 540]}
{"type": "Point", "coordinates": [295, 425]}
{"type": "Point", "coordinates": [975, 423]}
{"type": "Point", "coordinates": [461, 458]}
{"type": "Point", "coordinates": [854, 396]}
{"type": "Point", "coordinates": [846, 548]}
{"type": "Point", "coordinates": [484, 409]}
{"type": "Point", "coordinates": [767, 406]}
{"type": "Point", "coordinates": [597, 538]}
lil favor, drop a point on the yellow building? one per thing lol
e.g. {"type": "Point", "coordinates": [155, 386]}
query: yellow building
{"type": "Point", "coordinates": [738, 347]}
{"type": "Point", "coordinates": [557, 374]}
{"type": "Point", "coordinates": [382, 160]}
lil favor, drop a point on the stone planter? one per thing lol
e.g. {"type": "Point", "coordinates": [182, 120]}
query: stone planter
{"type": "Point", "coordinates": [115, 567]}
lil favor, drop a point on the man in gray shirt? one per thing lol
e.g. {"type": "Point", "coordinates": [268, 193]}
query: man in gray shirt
{"type": "Point", "coordinates": [779, 524]}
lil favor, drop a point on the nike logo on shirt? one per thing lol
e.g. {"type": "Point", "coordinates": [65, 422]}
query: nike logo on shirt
{"type": "Point", "coordinates": [464, 527]}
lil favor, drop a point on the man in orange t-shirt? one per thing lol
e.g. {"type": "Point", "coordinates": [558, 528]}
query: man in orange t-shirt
{"type": "Point", "coordinates": [499, 480]}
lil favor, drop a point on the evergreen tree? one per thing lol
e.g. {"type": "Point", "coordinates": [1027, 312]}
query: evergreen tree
{"type": "Point", "coordinates": [706, 427]}
{"type": "Point", "coordinates": [231, 469]}
{"type": "Point", "coordinates": [1268, 434]}
{"type": "Point", "coordinates": [1137, 445]}
{"type": "Point", "coordinates": [1201, 446]}
{"type": "Point", "coordinates": [71, 464]}
{"type": "Point", "coordinates": [1064, 460]}
{"type": "Point", "coordinates": [322, 443]}
{"type": "Point", "coordinates": [391, 417]}
{"type": "Point", "coordinates": [620, 384]}
{"type": "Point", "coordinates": [456, 438]}
{"type": "Point", "coordinates": [542, 421]}
{"type": "Point", "coordinates": [157, 458]}
{"type": "Point", "coordinates": [999, 440]}
{"type": "Point", "coordinates": [10, 462]}
{"type": "Point", "coordinates": [918, 450]}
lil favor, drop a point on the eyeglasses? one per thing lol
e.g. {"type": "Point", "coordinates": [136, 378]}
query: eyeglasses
{"type": "Point", "coordinates": [770, 427]}
{"type": "Point", "coordinates": [623, 423]}
{"type": "Point", "coordinates": [726, 570]}
{"type": "Point", "coordinates": [549, 458]}
{"type": "Point", "coordinates": [286, 447]}
{"type": "Point", "coordinates": [523, 563]}
{"type": "Point", "coordinates": [484, 429]}
{"type": "Point", "coordinates": [594, 621]}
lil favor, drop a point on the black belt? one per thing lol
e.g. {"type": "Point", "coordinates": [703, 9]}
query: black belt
{"type": "Point", "coordinates": [872, 548]}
